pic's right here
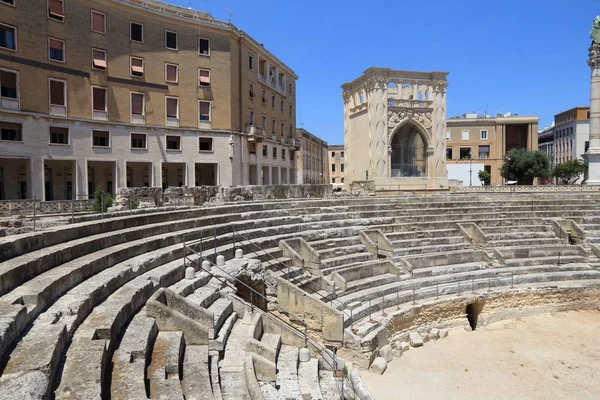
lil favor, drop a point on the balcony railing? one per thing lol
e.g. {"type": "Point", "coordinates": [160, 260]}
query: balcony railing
{"type": "Point", "coordinates": [297, 143]}
{"type": "Point", "coordinates": [172, 122]}
{"type": "Point", "coordinates": [409, 103]}
{"type": "Point", "coordinates": [272, 83]}
{"type": "Point", "coordinates": [138, 119]}
{"type": "Point", "coordinates": [58, 110]}
{"type": "Point", "coordinates": [9, 103]}
{"type": "Point", "coordinates": [255, 134]}
{"type": "Point", "coordinates": [100, 115]}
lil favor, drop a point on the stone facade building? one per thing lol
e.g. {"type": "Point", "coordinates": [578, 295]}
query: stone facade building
{"type": "Point", "coordinates": [546, 143]}
{"type": "Point", "coordinates": [312, 159]}
{"type": "Point", "coordinates": [117, 93]}
{"type": "Point", "coordinates": [394, 129]}
{"type": "Point", "coordinates": [337, 163]}
{"type": "Point", "coordinates": [571, 134]}
{"type": "Point", "coordinates": [484, 140]}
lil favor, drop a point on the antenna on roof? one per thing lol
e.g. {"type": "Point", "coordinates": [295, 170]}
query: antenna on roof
{"type": "Point", "coordinates": [230, 13]}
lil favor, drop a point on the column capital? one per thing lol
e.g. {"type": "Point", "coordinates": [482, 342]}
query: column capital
{"type": "Point", "coordinates": [594, 55]}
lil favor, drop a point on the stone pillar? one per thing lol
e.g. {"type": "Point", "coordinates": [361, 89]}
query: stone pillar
{"type": "Point", "coordinates": [37, 178]}
{"type": "Point", "coordinates": [592, 157]}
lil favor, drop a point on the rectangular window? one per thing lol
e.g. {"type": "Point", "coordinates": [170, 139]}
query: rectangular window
{"type": "Point", "coordinates": [282, 128]}
{"type": "Point", "coordinates": [290, 110]}
{"type": "Point", "coordinates": [251, 93]}
{"type": "Point", "coordinates": [99, 59]}
{"type": "Point", "coordinates": [465, 135]}
{"type": "Point", "coordinates": [173, 142]}
{"type": "Point", "coordinates": [332, 180]}
{"type": "Point", "coordinates": [333, 154]}
{"type": "Point", "coordinates": [204, 111]}
{"type": "Point", "coordinates": [99, 106]}
{"type": "Point", "coordinates": [448, 153]}
{"type": "Point", "coordinates": [8, 37]}
{"type": "Point", "coordinates": [137, 67]}
{"type": "Point", "coordinates": [283, 154]}
{"type": "Point", "coordinates": [9, 2]}
{"type": "Point", "coordinates": [138, 141]}
{"type": "Point", "coordinates": [59, 135]}
{"type": "Point", "coordinates": [264, 122]}
{"type": "Point", "coordinates": [205, 144]}
{"type": "Point", "coordinates": [171, 41]}
{"type": "Point", "coordinates": [251, 117]}
{"type": "Point", "coordinates": [332, 167]}
{"type": "Point", "coordinates": [342, 154]}
{"type": "Point", "coordinates": [290, 89]}
{"type": "Point", "coordinates": [273, 124]}
{"type": "Point", "coordinates": [171, 73]}
{"type": "Point", "coordinates": [98, 22]}
{"type": "Point", "coordinates": [274, 152]}
{"type": "Point", "coordinates": [58, 97]}
{"type": "Point", "coordinates": [101, 138]}
{"type": "Point", "coordinates": [138, 107]}
{"type": "Point", "coordinates": [273, 101]}
{"type": "Point", "coordinates": [203, 47]}
{"type": "Point", "coordinates": [484, 134]}
{"type": "Point", "coordinates": [56, 10]}
{"type": "Point", "coordinates": [56, 49]}
{"type": "Point", "coordinates": [281, 106]}
{"type": "Point", "coordinates": [250, 62]}
{"type": "Point", "coordinates": [8, 86]}
{"type": "Point", "coordinates": [342, 168]}
{"type": "Point", "coordinates": [265, 150]}
{"type": "Point", "coordinates": [136, 32]}
{"type": "Point", "coordinates": [484, 152]}
{"type": "Point", "coordinates": [264, 96]}
{"type": "Point", "coordinates": [448, 135]}
{"type": "Point", "coordinates": [465, 153]}
{"type": "Point", "coordinates": [11, 132]}
{"type": "Point", "coordinates": [203, 78]}
{"type": "Point", "coordinates": [172, 106]}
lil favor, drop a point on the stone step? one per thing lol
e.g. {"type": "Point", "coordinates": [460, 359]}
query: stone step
{"type": "Point", "coordinates": [567, 259]}
{"type": "Point", "coordinates": [426, 249]}
{"type": "Point", "coordinates": [335, 242]}
{"type": "Point", "coordinates": [206, 295]}
{"type": "Point", "coordinates": [164, 371]}
{"type": "Point", "coordinates": [341, 251]}
{"type": "Point", "coordinates": [196, 374]}
{"type": "Point", "coordinates": [221, 310]}
{"type": "Point", "coordinates": [523, 242]}
{"type": "Point", "coordinates": [287, 373]}
{"type": "Point", "coordinates": [219, 342]}
{"type": "Point", "coordinates": [428, 234]}
{"type": "Point", "coordinates": [372, 281]}
{"type": "Point", "coordinates": [272, 341]}
{"type": "Point", "coordinates": [348, 259]}
{"type": "Point", "coordinates": [231, 371]}
{"type": "Point", "coordinates": [308, 380]}
{"type": "Point", "coordinates": [424, 242]}
{"type": "Point", "coordinates": [448, 269]}
{"type": "Point", "coordinates": [517, 228]}
{"type": "Point", "coordinates": [328, 385]}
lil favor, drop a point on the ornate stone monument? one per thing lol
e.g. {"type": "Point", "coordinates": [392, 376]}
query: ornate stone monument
{"type": "Point", "coordinates": [395, 129]}
{"type": "Point", "coordinates": [592, 156]}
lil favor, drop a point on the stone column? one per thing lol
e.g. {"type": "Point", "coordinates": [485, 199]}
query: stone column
{"type": "Point", "coordinates": [592, 157]}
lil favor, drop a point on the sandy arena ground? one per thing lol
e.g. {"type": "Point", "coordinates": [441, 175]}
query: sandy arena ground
{"type": "Point", "coordinates": [552, 356]}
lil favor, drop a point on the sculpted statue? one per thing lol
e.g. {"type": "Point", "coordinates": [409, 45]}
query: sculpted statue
{"type": "Point", "coordinates": [595, 32]}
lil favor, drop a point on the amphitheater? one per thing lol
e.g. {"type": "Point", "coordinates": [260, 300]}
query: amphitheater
{"type": "Point", "coordinates": [279, 299]}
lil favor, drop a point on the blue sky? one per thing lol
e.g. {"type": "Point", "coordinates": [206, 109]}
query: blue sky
{"type": "Point", "coordinates": [527, 57]}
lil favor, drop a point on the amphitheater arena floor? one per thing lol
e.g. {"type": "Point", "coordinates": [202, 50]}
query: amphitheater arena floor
{"type": "Point", "coordinates": [552, 356]}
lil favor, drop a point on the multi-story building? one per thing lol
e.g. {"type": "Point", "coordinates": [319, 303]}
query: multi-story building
{"type": "Point", "coordinates": [337, 163]}
{"type": "Point", "coordinates": [482, 140]}
{"type": "Point", "coordinates": [546, 142]}
{"type": "Point", "coordinates": [117, 93]}
{"type": "Point", "coordinates": [312, 159]}
{"type": "Point", "coordinates": [571, 134]}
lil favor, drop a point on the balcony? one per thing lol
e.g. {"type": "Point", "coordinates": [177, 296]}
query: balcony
{"type": "Point", "coordinates": [58, 110]}
{"type": "Point", "coordinates": [255, 134]}
{"type": "Point", "coordinates": [9, 103]}
{"type": "Point", "coordinates": [399, 103]}
{"type": "Point", "coordinates": [297, 143]}
{"type": "Point", "coordinates": [138, 119]}
{"type": "Point", "coordinates": [172, 122]}
{"type": "Point", "coordinates": [272, 83]}
{"type": "Point", "coordinates": [100, 115]}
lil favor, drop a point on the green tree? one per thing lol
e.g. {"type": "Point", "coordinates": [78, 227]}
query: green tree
{"type": "Point", "coordinates": [569, 171]}
{"type": "Point", "coordinates": [524, 166]}
{"type": "Point", "coordinates": [102, 200]}
{"type": "Point", "coordinates": [485, 177]}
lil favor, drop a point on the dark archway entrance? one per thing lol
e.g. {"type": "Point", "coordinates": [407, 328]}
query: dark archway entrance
{"type": "Point", "coordinates": [409, 153]}
{"type": "Point", "coordinates": [472, 311]}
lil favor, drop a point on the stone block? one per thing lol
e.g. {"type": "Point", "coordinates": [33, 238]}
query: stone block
{"type": "Point", "coordinates": [415, 339]}
{"type": "Point", "coordinates": [397, 353]}
{"type": "Point", "coordinates": [404, 346]}
{"type": "Point", "coordinates": [386, 353]}
{"type": "Point", "coordinates": [443, 333]}
{"type": "Point", "coordinates": [378, 366]}
{"type": "Point", "coordinates": [434, 333]}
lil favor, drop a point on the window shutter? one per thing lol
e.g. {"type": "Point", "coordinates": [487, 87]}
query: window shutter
{"type": "Point", "coordinates": [98, 22]}
{"type": "Point", "coordinates": [205, 77]}
{"type": "Point", "coordinates": [56, 44]}
{"type": "Point", "coordinates": [137, 103]}
{"type": "Point", "coordinates": [56, 8]}
{"type": "Point", "coordinates": [172, 73]}
{"type": "Point", "coordinates": [99, 99]}
{"type": "Point", "coordinates": [99, 59]}
{"type": "Point", "coordinates": [172, 108]}
{"type": "Point", "coordinates": [57, 93]}
{"type": "Point", "coordinates": [137, 65]}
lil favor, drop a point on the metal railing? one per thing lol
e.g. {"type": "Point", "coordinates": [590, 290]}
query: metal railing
{"type": "Point", "coordinates": [253, 292]}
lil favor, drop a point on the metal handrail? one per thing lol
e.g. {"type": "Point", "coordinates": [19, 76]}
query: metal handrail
{"type": "Point", "coordinates": [202, 258]}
